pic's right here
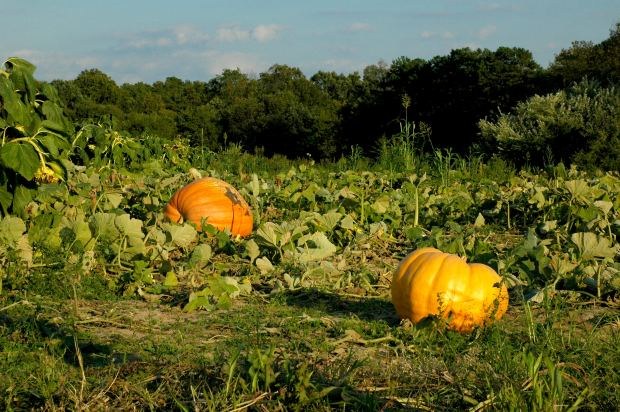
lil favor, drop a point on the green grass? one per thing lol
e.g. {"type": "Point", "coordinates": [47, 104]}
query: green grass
{"type": "Point", "coordinates": [309, 350]}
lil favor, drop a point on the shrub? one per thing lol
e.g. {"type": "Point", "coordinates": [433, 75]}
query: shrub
{"type": "Point", "coordinates": [580, 125]}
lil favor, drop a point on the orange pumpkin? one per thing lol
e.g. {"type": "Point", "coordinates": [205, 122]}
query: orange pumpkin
{"type": "Point", "coordinates": [429, 282]}
{"type": "Point", "coordinates": [214, 201]}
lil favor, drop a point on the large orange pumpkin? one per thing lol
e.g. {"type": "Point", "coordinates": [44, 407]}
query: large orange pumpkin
{"type": "Point", "coordinates": [214, 201]}
{"type": "Point", "coordinates": [429, 282]}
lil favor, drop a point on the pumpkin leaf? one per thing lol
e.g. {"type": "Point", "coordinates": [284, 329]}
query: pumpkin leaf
{"type": "Point", "coordinates": [264, 265]}
{"type": "Point", "coordinates": [591, 245]}
{"type": "Point", "coordinates": [171, 280]}
{"type": "Point", "coordinates": [200, 256]}
{"type": "Point", "coordinates": [180, 235]}
{"type": "Point", "coordinates": [314, 247]}
{"type": "Point", "coordinates": [102, 225]}
{"type": "Point", "coordinates": [129, 226]}
{"type": "Point", "coordinates": [479, 222]}
{"type": "Point", "coordinates": [252, 250]}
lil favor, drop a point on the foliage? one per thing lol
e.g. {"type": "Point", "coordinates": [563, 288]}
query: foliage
{"type": "Point", "coordinates": [35, 135]}
{"type": "Point", "coordinates": [580, 125]}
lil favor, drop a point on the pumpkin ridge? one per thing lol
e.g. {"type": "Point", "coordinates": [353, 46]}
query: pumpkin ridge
{"type": "Point", "coordinates": [435, 296]}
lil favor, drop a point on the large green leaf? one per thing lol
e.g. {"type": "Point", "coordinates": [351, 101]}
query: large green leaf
{"type": "Point", "coordinates": [591, 245]}
{"type": "Point", "coordinates": [314, 247]}
{"type": "Point", "coordinates": [11, 230]}
{"type": "Point", "coordinates": [22, 76]}
{"type": "Point", "coordinates": [20, 157]}
{"type": "Point", "coordinates": [180, 235]}
{"type": "Point", "coordinates": [18, 114]}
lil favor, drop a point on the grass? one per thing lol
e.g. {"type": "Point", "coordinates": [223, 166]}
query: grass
{"type": "Point", "coordinates": [308, 349]}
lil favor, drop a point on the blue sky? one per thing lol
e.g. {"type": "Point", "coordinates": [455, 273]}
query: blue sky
{"type": "Point", "coordinates": [139, 40]}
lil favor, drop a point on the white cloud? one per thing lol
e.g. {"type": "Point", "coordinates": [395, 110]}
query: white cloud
{"type": "Point", "coordinates": [486, 31]}
{"type": "Point", "coordinates": [231, 34]}
{"type": "Point", "coordinates": [175, 36]}
{"type": "Point", "coordinates": [187, 34]}
{"type": "Point", "coordinates": [443, 35]}
{"type": "Point", "coordinates": [247, 63]}
{"type": "Point", "coordinates": [263, 33]}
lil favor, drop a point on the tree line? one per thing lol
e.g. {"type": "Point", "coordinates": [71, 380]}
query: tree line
{"type": "Point", "coordinates": [327, 114]}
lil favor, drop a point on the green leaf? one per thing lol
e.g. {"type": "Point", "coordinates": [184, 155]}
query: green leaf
{"type": "Point", "coordinates": [11, 230]}
{"type": "Point", "coordinates": [591, 245]}
{"type": "Point", "coordinates": [200, 256]}
{"type": "Point", "coordinates": [348, 223]}
{"type": "Point", "coordinates": [314, 247]}
{"type": "Point", "coordinates": [479, 222]}
{"type": "Point", "coordinates": [20, 157]}
{"type": "Point", "coordinates": [129, 226]}
{"type": "Point", "coordinates": [102, 226]}
{"type": "Point", "coordinates": [381, 205]}
{"type": "Point", "coordinates": [6, 199]}
{"type": "Point", "coordinates": [22, 196]}
{"type": "Point", "coordinates": [180, 235]}
{"type": "Point", "coordinates": [252, 250]}
{"type": "Point", "coordinates": [53, 144]}
{"type": "Point", "coordinates": [269, 233]}
{"type": "Point", "coordinates": [171, 280]}
{"type": "Point", "coordinates": [264, 265]}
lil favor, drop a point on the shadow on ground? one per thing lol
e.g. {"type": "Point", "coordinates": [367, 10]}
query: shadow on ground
{"type": "Point", "coordinates": [364, 308]}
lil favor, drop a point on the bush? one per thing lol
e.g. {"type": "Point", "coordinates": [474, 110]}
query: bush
{"type": "Point", "coordinates": [580, 125]}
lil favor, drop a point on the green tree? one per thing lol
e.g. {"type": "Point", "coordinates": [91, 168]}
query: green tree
{"type": "Point", "coordinates": [586, 59]}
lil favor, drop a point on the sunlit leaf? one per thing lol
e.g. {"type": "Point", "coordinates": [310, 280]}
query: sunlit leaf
{"type": "Point", "coordinates": [591, 245]}
{"type": "Point", "coordinates": [314, 247]}
{"type": "Point", "coordinates": [252, 250]}
{"type": "Point", "coordinates": [180, 235]}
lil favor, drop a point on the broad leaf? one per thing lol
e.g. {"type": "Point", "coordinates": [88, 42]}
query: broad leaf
{"type": "Point", "coordinates": [200, 256]}
{"type": "Point", "coordinates": [180, 235]}
{"type": "Point", "coordinates": [591, 245]}
{"type": "Point", "coordinates": [20, 157]}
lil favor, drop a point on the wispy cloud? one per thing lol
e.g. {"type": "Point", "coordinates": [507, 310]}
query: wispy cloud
{"type": "Point", "coordinates": [486, 32]}
{"type": "Point", "coordinates": [175, 36]}
{"type": "Point", "coordinates": [186, 35]}
{"type": "Point", "coordinates": [232, 34]}
{"type": "Point", "coordinates": [266, 32]}
{"type": "Point", "coordinates": [437, 35]}
{"type": "Point", "coordinates": [261, 33]}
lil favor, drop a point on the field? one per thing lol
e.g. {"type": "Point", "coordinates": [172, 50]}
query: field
{"type": "Point", "coordinates": [104, 305]}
